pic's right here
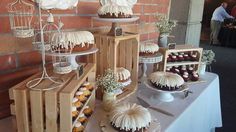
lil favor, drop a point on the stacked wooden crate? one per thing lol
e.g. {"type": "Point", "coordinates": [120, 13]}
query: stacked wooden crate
{"type": "Point", "coordinates": [50, 111]}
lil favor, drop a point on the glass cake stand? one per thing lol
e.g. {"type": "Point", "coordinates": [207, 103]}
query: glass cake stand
{"type": "Point", "coordinates": [164, 96]}
{"type": "Point", "coordinates": [115, 22]}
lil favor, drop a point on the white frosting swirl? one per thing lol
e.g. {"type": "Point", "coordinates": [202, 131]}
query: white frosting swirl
{"type": "Point", "coordinates": [130, 117]}
{"type": "Point", "coordinates": [166, 79]}
{"type": "Point", "coordinates": [149, 48]}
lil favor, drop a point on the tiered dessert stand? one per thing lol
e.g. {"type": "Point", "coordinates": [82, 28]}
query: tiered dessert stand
{"type": "Point", "coordinates": [118, 51]}
{"type": "Point", "coordinates": [149, 60]}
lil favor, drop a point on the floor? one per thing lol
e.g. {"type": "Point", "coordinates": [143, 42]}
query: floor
{"type": "Point", "coordinates": [225, 67]}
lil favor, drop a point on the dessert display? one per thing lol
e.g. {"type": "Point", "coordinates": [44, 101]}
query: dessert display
{"type": "Point", "coordinates": [182, 57]}
{"type": "Point", "coordinates": [88, 86]}
{"type": "Point", "coordinates": [130, 118]}
{"type": "Point", "coordinates": [72, 41]}
{"type": "Point", "coordinates": [116, 8]}
{"type": "Point", "coordinates": [78, 127]}
{"type": "Point", "coordinates": [166, 81]}
{"type": "Point", "coordinates": [82, 118]}
{"type": "Point", "coordinates": [80, 96]}
{"type": "Point", "coordinates": [85, 91]}
{"type": "Point", "coordinates": [75, 113]}
{"type": "Point", "coordinates": [87, 111]}
{"type": "Point", "coordinates": [77, 103]}
{"type": "Point", "coordinates": [148, 49]}
{"type": "Point", "coordinates": [123, 76]}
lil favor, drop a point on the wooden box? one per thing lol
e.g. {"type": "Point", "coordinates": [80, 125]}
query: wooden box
{"type": "Point", "coordinates": [49, 111]}
{"type": "Point", "coordinates": [180, 48]}
{"type": "Point", "coordinates": [119, 51]}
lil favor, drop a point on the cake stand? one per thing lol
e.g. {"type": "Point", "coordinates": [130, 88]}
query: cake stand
{"type": "Point", "coordinates": [164, 96]}
{"type": "Point", "coordinates": [72, 56]}
{"type": "Point", "coordinates": [148, 60]}
{"type": "Point", "coordinates": [115, 22]}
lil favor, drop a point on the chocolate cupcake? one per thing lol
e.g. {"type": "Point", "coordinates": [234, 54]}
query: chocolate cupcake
{"type": "Point", "coordinates": [180, 58]}
{"type": "Point", "coordinates": [169, 58]}
{"type": "Point", "coordinates": [194, 57]}
{"type": "Point", "coordinates": [174, 58]}
{"type": "Point", "coordinates": [186, 57]}
{"type": "Point", "coordinates": [185, 77]}
{"type": "Point", "coordinates": [195, 77]}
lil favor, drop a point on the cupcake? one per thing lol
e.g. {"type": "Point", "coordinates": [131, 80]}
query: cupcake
{"type": "Point", "coordinates": [174, 58]}
{"type": "Point", "coordinates": [87, 111]}
{"type": "Point", "coordinates": [186, 57]}
{"type": "Point", "coordinates": [88, 85]}
{"type": "Point", "coordinates": [185, 77]}
{"type": "Point", "coordinates": [195, 77]}
{"type": "Point", "coordinates": [190, 70]}
{"type": "Point", "coordinates": [169, 58]}
{"type": "Point", "coordinates": [180, 58]}
{"type": "Point", "coordinates": [78, 127]}
{"type": "Point", "coordinates": [80, 96]}
{"type": "Point", "coordinates": [177, 71]}
{"type": "Point", "coordinates": [77, 103]}
{"type": "Point", "coordinates": [183, 69]}
{"type": "Point", "coordinates": [168, 69]}
{"type": "Point", "coordinates": [75, 113]}
{"type": "Point", "coordinates": [82, 118]}
{"type": "Point", "coordinates": [193, 57]}
{"type": "Point", "coordinates": [85, 91]}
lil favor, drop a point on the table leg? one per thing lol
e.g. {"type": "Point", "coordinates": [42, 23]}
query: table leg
{"type": "Point", "coordinates": [144, 70]}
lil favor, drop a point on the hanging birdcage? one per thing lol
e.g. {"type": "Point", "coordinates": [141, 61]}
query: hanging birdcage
{"type": "Point", "coordinates": [21, 15]}
{"type": "Point", "coordinates": [52, 38]}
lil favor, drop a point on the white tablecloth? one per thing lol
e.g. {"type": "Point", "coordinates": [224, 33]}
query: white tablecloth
{"type": "Point", "coordinates": [199, 112]}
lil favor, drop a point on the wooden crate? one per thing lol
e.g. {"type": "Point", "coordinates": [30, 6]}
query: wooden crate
{"type": "Point", "coordinates": [180, 48]}
{"type": "Point", "coordinates": [120, 51]}
{"type": "Point", "coordinates": [40, 111]}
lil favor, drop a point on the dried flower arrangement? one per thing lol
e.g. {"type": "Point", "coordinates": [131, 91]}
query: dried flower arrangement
{"type": "Point", "coordinates": [108, 81]}
{"type": "Point", "coordinates": [208, 56]}
{"type": "Point", "coordinates": [164, 25]}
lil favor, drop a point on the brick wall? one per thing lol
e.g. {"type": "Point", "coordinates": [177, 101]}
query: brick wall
{"type": "Point", "coordinates": [18, 60]}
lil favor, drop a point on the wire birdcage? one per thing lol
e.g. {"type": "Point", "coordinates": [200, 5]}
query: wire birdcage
{"type": "Point", "coordinates": [21, 15]}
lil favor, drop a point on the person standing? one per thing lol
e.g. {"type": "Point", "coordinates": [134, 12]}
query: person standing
{"type": "Point", "coordinates": [216, 22]}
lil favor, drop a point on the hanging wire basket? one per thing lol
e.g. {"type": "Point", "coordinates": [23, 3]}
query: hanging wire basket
{"type": "Point", "coordinates": [21, 15]}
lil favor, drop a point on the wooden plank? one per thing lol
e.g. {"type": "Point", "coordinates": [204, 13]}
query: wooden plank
{"type": "Point", "coordinates": [13, 109]}
{"type": "Point", "coordinates": [51, 104]}
{"type": "Point", "coordinates": [135, 59]}
{"type": "Point", "coordinates": [128, 58]}
{"type": "Point", "coordinates": [122, 55]}
{"type": "Point", "coordinates": [22, 111]}
{"type": "Point", "coordinates": [37, 114]}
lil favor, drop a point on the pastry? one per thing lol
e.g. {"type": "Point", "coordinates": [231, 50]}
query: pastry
{"type": "Point", "coordinates": [85, 91]}
{"type": "Point", "coordinates": [166, 81]}
{"type": "Point", "coordinates": [78, 127]}
{"type": "Point", "coordinates": [130, 118]}
{"type": "Point", "coordinates": [194, 57]}
{"type": "Point", "coordinates": [75, 113]}
{"type": "Point", "coordinates": [88, 85]}
{"type": "Point", "coordinates": [87, 111]}
{"type": "Point", "coordinates": [148, 49]}
{"type": "Point", "coordinates": [77, 103]}
{"type": "Point", "coordinates": [174, 58]}
{"type": "Point", "coordinates": [82, 118]}
{"type": "Point", "coordinates": [186, 57]}
{"type": "Point", "coordinates": [180, 57]}
{"type": "Point", "coordinates": [183, 69]}
{"type": "Point", "coordinates": [123, 75]}
{"type": "Point", "coordinates": [169, 58]}
{"type": "Point", "coordinates": [80, 96]}
{"type": "Point", "coordinates": [185, 77]}
{"type": "Point", "coordinates": [190, 70]}
{"type": "Point", "coordinates": [72, 41]}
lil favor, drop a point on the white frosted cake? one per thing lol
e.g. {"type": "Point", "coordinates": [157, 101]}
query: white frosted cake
{"type": "Point", "coordinates": [116, 8]}
{"type": "Point", "coordinates": [130, 118]}
{"type": "Point", "coordinates": [166, 80]}
{"type": "Point", "coordinates": [123, 76]}
{"type": "Point", "coordinates": [148, 49]}
{"type": "Point", "coordinates": [72, 41]}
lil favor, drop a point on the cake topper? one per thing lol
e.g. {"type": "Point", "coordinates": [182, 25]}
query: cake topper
{"type": "Point", "coordinates": [129, 3]}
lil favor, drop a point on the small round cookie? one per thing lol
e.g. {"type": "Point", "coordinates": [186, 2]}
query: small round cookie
{"type": "Point", "coordinates": [87, 111]}
{"type": "Point", "coordinates": [80, 96]}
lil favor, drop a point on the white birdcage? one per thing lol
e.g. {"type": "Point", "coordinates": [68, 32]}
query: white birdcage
{"type": "Point", "coordinates": [21, 15]}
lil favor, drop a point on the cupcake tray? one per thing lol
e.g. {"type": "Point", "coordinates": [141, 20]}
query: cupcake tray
{"type": "Point", "coordinates": [107, 127]}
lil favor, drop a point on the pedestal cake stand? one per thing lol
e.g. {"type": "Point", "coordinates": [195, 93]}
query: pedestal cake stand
{"type": "Point", "coordinates": [115, 22]}
{"type": "Point", "coordinates": [164, 96]}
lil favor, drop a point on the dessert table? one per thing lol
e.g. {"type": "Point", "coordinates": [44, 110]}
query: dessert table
{"type": "Point", "coordinates": [199, 112]}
